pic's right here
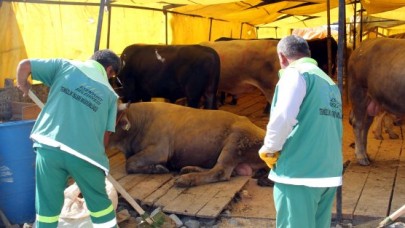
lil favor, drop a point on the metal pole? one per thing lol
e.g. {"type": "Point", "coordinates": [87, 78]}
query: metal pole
{"type": "Point", "coordinates": [361, 22]}
{"type": "Point", "coordinates": [166, 28]}
{"type": "Point", "coordinates": [99, 24]}
{"type": "Point", "coordinates": [109, 26]}
{"type": "Point", "coordinates": [329, 42]}
{"type": "Point", "coordinates": [341, 44]}
{"type": "Point", "coordinates": [241, 30]}
{"type": "Point", "coordinates": [210, 31]}
{"type": "Point", "coordinates": [355, 25]}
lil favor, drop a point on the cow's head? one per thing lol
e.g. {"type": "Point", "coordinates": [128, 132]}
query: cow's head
{"type": "Point", "coordinates": [122, 118]}
{"type": "Point", "coordinates": [115, 140]}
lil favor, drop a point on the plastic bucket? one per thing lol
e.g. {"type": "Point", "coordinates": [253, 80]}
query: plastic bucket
{"type": "Point", "coordinates": [17, 172]}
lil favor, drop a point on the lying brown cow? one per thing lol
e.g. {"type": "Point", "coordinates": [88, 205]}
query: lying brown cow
{"type": "Point", "coordinates": [206, 145]}
{"type": "Point", "coordinates": [376, 82]}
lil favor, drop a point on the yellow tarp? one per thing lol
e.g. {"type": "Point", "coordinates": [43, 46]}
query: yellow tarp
{"type": "Point", "coordinates": [68, 28]}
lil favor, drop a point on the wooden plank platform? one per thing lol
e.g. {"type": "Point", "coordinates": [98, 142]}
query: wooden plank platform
{"type": "Point", "coordinates": [206, 201]}
{"type": "Point", "coordinates": [368, 192]}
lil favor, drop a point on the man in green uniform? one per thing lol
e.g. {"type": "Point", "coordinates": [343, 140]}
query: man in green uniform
{"type": "Point", "coordinates": [69, 133]}
{"type": "Point", "coordinates": [303, 142]}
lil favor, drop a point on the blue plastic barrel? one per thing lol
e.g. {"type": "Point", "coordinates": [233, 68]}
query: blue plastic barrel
{"type": "Point", "coordinates": [17, 172]}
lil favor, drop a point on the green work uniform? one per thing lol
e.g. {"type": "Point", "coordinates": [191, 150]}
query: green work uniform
{"type": "Point", "coordinates": [309, 167]}
{"type": "Point", "coordinates": [68, 137]}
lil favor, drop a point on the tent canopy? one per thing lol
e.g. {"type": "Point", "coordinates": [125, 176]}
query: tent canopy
{"type": "Point", "coordinates": [68, 28]}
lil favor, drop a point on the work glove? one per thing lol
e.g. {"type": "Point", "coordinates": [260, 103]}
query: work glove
{"type": "Point", "coordinates": [269, 158]}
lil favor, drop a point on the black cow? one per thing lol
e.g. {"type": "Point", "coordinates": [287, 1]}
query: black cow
{"type": "Point", "coordinates": [171, 72]}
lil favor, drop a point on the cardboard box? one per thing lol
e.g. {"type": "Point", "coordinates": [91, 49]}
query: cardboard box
{"type": "Point", "coordinates": [24, 110]}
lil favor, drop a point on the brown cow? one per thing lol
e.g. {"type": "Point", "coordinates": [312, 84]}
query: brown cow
{"type": "Point", "coordinates": [376, 82]}
{"type": "Point", "coordinates": [250, 64]}
{"type": "Point", "coordinates": [206, 145]}
{"type": "Point", "coordinates": [246, 65]}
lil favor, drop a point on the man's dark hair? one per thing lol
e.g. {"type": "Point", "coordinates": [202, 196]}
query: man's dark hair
{"type": "Point", "coordinates": [294, 47]}
{"type": "Point", "coordinates": [107, 58]}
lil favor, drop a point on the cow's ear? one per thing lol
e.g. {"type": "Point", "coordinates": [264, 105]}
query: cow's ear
{"type": "Point", "coordinates": [122, 106]}
{"type": "Point", "coordinates": [124, 123]}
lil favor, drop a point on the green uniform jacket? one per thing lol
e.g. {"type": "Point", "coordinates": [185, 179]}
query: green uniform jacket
{"type": "Point", "coordinates": [312, 153]}
{"type": "Point", "coordinates": [81, 106]}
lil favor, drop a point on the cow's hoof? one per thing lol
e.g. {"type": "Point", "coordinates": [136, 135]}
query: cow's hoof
{"type": "Point", "coordinates": [191, 169]}
{"type": "Point", "coordinates": [184, 182]}
{"type": "Point", "coordinates": [161, 169]}
{"type": "Point", "coordinates": [363, 161]}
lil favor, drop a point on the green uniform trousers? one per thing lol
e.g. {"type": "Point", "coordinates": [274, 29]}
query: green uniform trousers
{"type": "Point", "coordinates": [300, 206]}
{"type": "Point", "coordinates": [53, 168]}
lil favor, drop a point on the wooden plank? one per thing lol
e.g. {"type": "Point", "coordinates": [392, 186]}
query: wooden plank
{"type": "Point", "coordinates": [117, 166]}
{"type": "Point", "coordinates": [170, 195]}
{"type": "Point", "coordinates": [131, 180]}
{"type": "Point", "coordinates": [30, 112]}
{"type": "Point", "coordinates": [191, 201]}
{"type": "Point", "coordinates": [226, 192]}
{"type": "Point", "coordinates": [159, 193]}
{"type": "Point", "coordinates": [376, 195]}
{"type": "Point", "coordinates": [243, 102]}
{"type": "Point", "coordinates": [24, 110]}
{"type": "Point", "coordinates": [256, 107]}
{"type": "Point", "coordinates": [148, 185]}
{"type": "Point", "coordinates": [254, 202]}
{"type": "Point", "coordinates": [398, 198]}
{"type": "Point", "coordinates": [112, 152]}
{"type": "Point", "coordinates": [354, 180]}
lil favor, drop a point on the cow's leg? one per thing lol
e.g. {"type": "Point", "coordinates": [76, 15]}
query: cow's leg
{"type": "Point", "coordinates": [220, 172]}
{"type": "Point", "coordinates": [210, 98]}
{"type": "Point", "coordinates": [222, 98]}
{"type": "Point", "coordinates": [191, 169]}
{"type": "Point", "coordinates": [360, 131]}
{"type": "Point", "coordinates": [193, 93]}
{"type": "Point", "coordinates": [377, 130]}
{"type": "Point", "coordinates": [234, 154]}
{"type": "Point", "coordinates": [234, 100]}
{"type": "Point", "coordinates": [361, 124]}
{"type": "Point", "coordinates": [216, 174]}
{"type": "Point", "coordinates": [150, 160]}
{"type": "Point", "coordinates": [389, 126]}
{"type": "Point", "coordinates": [210, 102]}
